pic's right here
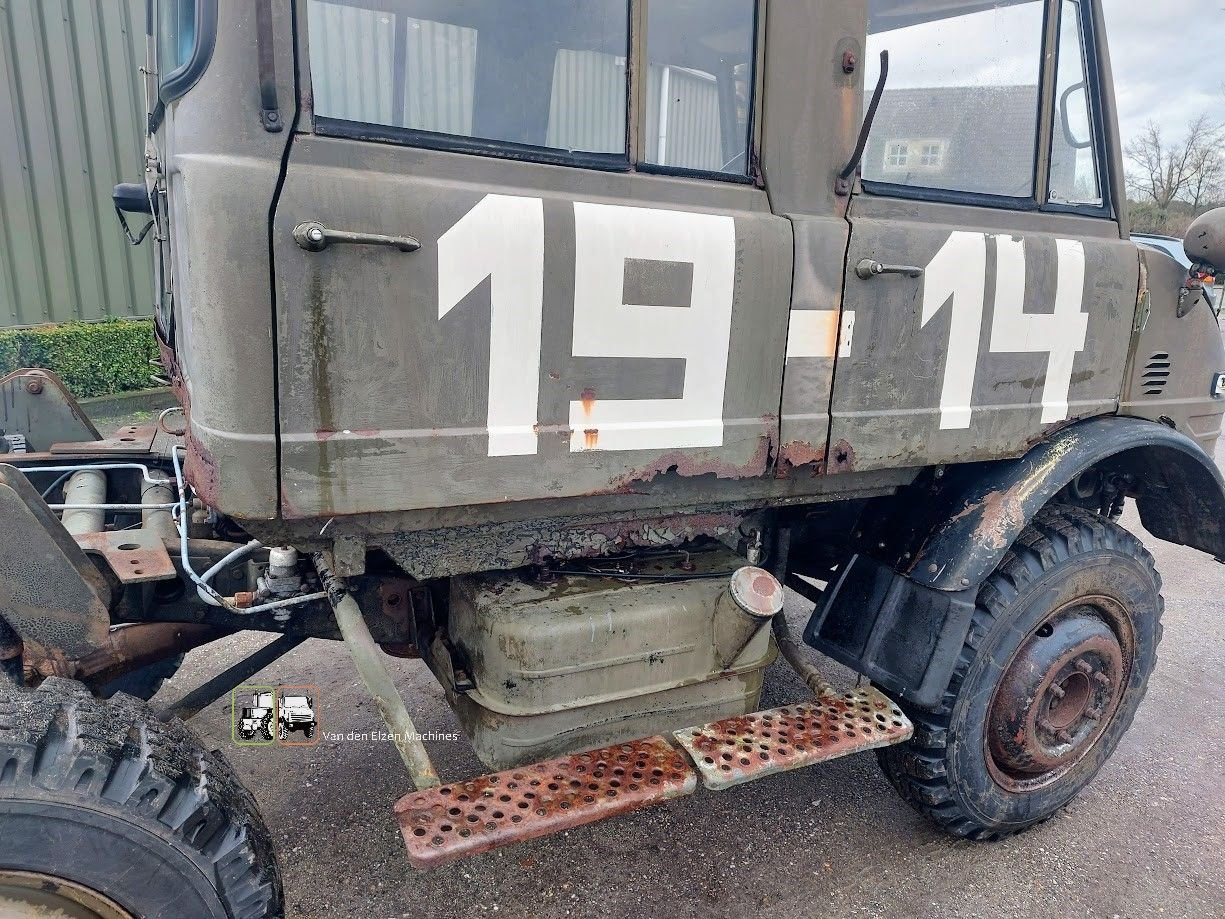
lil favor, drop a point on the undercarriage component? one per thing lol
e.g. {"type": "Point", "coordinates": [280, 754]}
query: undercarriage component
{"type": "Point", "coordinates": [39, 560]}
{"type": "Point", "coordinates": [738, 750]}
{"type": "Point", "coordinates": [454, 821]}
{"type": "Point", "coordinates": [35, 405]}
{"type": "Point", "coordinates": [368, 659]}
{"type": "Point", "coordinates": [84, 497]}
{"type": "Point", "coordinates": [220, 685]}
{"type": "Point", "coordinates": [581, 661]}
{"type": "Point", "coordinates": [131, 647]}
{"type": "Point", "coordinates": [136, 556]}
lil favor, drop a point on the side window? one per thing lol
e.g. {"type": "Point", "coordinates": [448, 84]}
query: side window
{"type": "Point", "coordinates": [960, 109]}
{"type": "Point", "coordinates": [700, 84]}
{"type": "Point", "coordinates": [1074, 178]}
{"type": "Point", "coordinates": [550, 74]}
{"type": "Point", "coordinates": [184, 31]}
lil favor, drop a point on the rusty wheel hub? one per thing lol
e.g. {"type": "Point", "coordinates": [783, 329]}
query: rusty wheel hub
{"type": "Point", "coordinates": [1057, 696]}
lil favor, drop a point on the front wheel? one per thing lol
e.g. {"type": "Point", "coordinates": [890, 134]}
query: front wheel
{"type": "Point", "coordinates": [1056, 662]}
{"type": "Point", "coordinates": [105, 811]}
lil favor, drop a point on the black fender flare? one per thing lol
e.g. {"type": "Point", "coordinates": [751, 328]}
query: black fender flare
{"type": "Point", "coordinates": [1178, 490]}
{"type": "Point", "coordinates": [900, 609]}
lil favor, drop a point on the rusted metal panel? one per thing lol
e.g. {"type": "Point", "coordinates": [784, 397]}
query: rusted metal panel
{"type": "Point", "coordinates": [136, 556]}
{"type": "Point", "coordinates": [37, 404]}
{"type": "Point", "coordinates": [738, 750]}
{"type": "Point", "coordinates": [455, 821]}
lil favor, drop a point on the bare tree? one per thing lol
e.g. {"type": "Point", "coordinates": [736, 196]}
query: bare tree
{"type": "Point", "coordinates": [1191, 171]}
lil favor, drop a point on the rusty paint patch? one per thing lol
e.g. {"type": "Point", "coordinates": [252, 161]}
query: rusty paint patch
{"type": "Point", "coordinates": [591, 438]}
{"type": "Point", "coordinates": [842, 457]}
{"type": "Point", "coordinates": [687, 465]}
{"type": "Point", "coordinates": [588, 399]}
{"type": "Point", "coordinates": [595, 540]}
{"type": "Point", "coordinates": [798, 453]}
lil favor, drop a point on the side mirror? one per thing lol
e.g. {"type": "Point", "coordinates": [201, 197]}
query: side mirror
{"type": "Point", "coordinates": [1205, 239]}
{"type": "Point", "coordinates": [1074, 109]}
{"type": "Point", "coordinates": [131, 198]}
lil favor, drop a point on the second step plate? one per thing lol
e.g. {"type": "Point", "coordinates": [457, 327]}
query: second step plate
{"type": "Point", "coordinates": [738, 750]}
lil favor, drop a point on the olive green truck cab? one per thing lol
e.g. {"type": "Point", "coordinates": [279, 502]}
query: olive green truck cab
{"type": "Point", "coordinates": [548, 343]}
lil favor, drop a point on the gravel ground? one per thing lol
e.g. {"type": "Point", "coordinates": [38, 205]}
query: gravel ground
{"type": "Point", "coordinates": [1146, 839]}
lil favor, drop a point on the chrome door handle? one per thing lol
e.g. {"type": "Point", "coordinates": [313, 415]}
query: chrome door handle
{"type": "Point", "coordinates": [315, 237]}
{"type": "Point", "coordinates": [870, 268]}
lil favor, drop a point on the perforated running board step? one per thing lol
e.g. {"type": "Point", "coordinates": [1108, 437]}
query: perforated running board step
{"type": "Point", "coordinates": [454, 821]}
{"type": "Point", "coordinates": [738, 750]}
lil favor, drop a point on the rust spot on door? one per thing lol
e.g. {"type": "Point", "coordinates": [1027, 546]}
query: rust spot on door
{"type": "Point", "coordinates": [588, 399]}
{"type": "Point", "coordinates": [591, 438]}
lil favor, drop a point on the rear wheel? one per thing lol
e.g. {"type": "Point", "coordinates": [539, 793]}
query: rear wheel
{"type": "Point", "coordinates": [105, 811]}
{"type": "Point", "coordinates": [1057, 660]}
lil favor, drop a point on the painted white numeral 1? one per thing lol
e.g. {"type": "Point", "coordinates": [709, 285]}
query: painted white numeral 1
{"type": "Point", "coordinates": [698, 331]}
{"type": "Point", "coordinates": [502, 239]}
{"type": "Point", "coordinates": [958, 272]}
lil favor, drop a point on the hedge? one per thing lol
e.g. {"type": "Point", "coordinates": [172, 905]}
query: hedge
{"type": "Point", "coordinates": [92, 358]}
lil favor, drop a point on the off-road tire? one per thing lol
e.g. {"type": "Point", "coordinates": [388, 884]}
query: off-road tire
{"type": "Point", "coordinates": [265, 727]}
{"type": "Point", "coordinates": [945, 771]}
{"type": "Point", "coordinates": [310, 731]}
{"type": "Point", "coordinates": [103, 794]}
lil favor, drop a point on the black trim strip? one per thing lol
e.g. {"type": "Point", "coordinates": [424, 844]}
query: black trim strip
{"type": "Point", "coordinates": [947, 196]}
{"type": "Point", "coordinates": [452, 143]}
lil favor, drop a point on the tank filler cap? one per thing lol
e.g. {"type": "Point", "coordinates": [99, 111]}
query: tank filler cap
{"type": "Point", "coordinates": [757, 592]}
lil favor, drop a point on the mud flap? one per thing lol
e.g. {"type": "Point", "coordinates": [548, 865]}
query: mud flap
{"type": "Point", "coordinates": [902, 635]}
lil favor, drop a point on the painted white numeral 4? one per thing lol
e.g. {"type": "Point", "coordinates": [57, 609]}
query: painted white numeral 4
{"type": "Point", "coordinates": [958, 272]}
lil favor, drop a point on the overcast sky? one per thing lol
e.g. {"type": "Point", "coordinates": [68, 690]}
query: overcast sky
{"type": "Point", "coordinates": [1169, 63]}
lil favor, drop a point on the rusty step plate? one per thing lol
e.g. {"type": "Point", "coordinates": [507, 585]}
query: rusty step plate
{"type": "Point", "coordinates": [738, 750]}
{"type": "Point", "coordinates": [454, 821]}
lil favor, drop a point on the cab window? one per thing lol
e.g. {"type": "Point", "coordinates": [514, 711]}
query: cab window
{"type": "Point", "coordinates": [699, 84]}
{"type": "Point", "coordinates": [548, 75]}
{"type": "Point", "coordinates": [1074, 168]}
{"type": "Point", "coordinates": [960, 108]}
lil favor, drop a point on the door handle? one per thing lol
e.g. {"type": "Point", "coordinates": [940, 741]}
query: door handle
{"type": "Point", "coordinates": [870, 268]}
{"type": "Point", "coordinates": [315, 237]}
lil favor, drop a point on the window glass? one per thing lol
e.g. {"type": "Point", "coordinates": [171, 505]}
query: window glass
{"type": "Point", "coordinates": [960, 108]}
{"type": "Point", "coordinates": [547, 74]}
{"type": "Point", "coordinates": [1074, 178]}
{"type": "Point", "coordinates": [699, 84]}
{"type": "Point", "coordinates": [176, 35]}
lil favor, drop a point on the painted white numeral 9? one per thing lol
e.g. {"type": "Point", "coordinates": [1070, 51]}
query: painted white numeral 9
{"type": "Point", "coordinates": [699, 331]}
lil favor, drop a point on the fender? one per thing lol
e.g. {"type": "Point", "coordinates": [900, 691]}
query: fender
{"type": "Point", "coordinates": [899, 610]}
{"type": "Point", "coordinates": [1177, 487]}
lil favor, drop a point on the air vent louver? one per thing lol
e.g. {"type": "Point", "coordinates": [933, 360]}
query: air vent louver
{"type": "Point", "coordinates": [1156, 374]}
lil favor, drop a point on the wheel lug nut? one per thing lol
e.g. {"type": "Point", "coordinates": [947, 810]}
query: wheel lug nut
{"type": "Point", "coordinates": [1084, 667]}
{"type": "Point", "coordinates": [1094, 714]}
{"type": "Point", "coordinates": [1063, 737]}
{"type": "Point", "coordinates": [1057, 692]}
{"type": "Point", "coordinates": [1101, 679]}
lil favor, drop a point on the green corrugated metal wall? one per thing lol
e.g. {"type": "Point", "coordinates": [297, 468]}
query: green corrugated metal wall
{"type": "Point", "coordinates": [71, 111]}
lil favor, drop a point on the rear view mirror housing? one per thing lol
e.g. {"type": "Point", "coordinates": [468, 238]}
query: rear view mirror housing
{"type": "Point", "coordinates": [1205, 239]}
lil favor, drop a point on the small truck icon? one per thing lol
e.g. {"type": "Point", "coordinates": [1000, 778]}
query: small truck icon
{"type": "Point", "coordinates": [257, 717]}
{"type": "Point", "coordinates": [296, 713]}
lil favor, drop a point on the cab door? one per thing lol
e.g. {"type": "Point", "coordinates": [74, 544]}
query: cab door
{"type": "Point", "coordinates": [520, 254]}
{"type": "Point", "coordinates": [991, 290]}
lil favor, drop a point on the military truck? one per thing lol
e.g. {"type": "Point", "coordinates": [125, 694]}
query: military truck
{"type": "Point", "coordinates": [256, 718]}
{"type": "Point", "coordinates": [296, 713]}
{"type": "Point", "coordinates": [551, 343]}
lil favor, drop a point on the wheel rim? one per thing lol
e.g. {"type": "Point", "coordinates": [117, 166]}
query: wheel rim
{"type": "Point", "coordinates": [1059, 693]}
{"type": "Point", "coordinates": [27, 894]}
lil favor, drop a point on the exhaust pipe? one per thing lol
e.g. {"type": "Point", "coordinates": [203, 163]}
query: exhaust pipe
{"type": "Point", "coordinates": [753, 597]}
